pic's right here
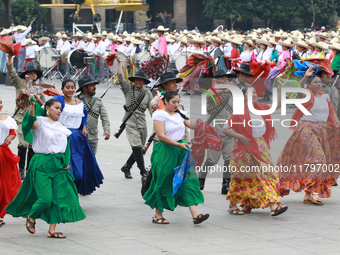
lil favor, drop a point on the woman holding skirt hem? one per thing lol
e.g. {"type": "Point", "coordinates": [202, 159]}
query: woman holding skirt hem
{"type": "Point", "coordinates": [313, 148]}
{"type": "Point", "coordinates": [48, 190]}
{"type": "Point", "coordinates": [256, 188]}
{"type": "Point", "coordinates": [168, 154]}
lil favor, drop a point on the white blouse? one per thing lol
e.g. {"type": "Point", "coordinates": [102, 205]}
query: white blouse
{"type": "Point", "coordinates": [174, 125]}
{"type": "Point", "coordinates": [50, 137]}
{"type": "Point", "coordinates": [5, 126]}
{"type": "Point", "coordinates": [72, 115]}
{"type": "Point", "coordinates": [257, 123]}
{"type": "Point", "coordinates": [319, 111]}
{"type": "Point", "coordinates": [246, 56]}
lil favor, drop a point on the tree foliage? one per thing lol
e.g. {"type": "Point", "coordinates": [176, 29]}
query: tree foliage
{"type": "Point", "coordinates": [230, 9]}
{"type": "Point", "coordinates": [24, 11]}
{"type": "Point", "coordinates": [271, 10]}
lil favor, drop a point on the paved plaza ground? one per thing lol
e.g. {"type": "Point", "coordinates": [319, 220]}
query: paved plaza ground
{"type": "Point", "coordinates": [118, 221]}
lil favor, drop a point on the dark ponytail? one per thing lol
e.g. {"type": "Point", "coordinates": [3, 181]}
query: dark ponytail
{"type": "Point", "coordinates": [66, 81]}
{"type": "Point", "coordinates": [168, 96]}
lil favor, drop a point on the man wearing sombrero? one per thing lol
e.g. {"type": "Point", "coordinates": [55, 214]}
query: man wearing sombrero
{"type": "Point", "coordinates": [20, 82]}
{"type": "Point", "coordinates": [21, 38]}
{"type": "Point", "coordinates": [243, 73]}
{"type": "Point", "coordinates": [65, 49]}
{"type": "Point", "coordinates": [137, 100]}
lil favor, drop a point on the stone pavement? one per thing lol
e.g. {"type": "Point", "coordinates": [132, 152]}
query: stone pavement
{"type": "Point", "coordinates": [118, 221]}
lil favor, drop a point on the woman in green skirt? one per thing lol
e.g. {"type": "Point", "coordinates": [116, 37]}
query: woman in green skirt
{"type": "Point", "coordinates": [48, 190]}
{"type": "Point", "coordinates": [168, 154]}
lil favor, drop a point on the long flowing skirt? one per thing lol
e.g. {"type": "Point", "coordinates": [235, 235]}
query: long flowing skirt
{"type": "Point", "coordinates": [251, 185]}
{"type": "Point", "coordinates": [48, 192]}
{"type": "Point", "coordinates": [311, 157]}
{"type": "Point", "coordinates": [84, 165]}
{"type": "Point", "coordinates": [10, 181]}
{"type": "Point", "coordinates": [190, 77]}
{"type": "Point", "coordinates": [155, 66]}
{"type": "Point", "coordinates": [164, 159]}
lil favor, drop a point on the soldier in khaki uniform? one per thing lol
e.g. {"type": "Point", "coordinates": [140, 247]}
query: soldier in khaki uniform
{"type": "Point", "coordinates": [20, 83]}
{"type": "Point", "coordinates": [136, 129]}
{"type": "Point", "coordinates": [95, 109]}
{"type": "Point", "coordinates": [224, 112]}
{"type": "Point", "coordinates": [168, 82]}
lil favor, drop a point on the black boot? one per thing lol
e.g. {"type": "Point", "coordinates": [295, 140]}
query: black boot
{"type": "Point", "coordinates": [139, 157]}
{"type": "Point", "coordinates": [126, 168]}
{"type": "Point", "coordinates": [22, 155]}
{"type": "Point", "coordinates": [226, 179]}
{"type": "Point", "coordinates": [202, 174]}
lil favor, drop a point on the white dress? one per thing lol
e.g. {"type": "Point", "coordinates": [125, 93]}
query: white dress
{"type": "Point", "coordinates": [5, 126]}
{"type": "Point", "coordinates": [50, 137]}
{"type": "Point", "coordinates": [246, 56]}
{"type": "Point", "coordinates": [174, 125]}
{"type": "Point", "coordinates": [72, 115]}
{"type": "Point", "coordinates": [319, 111]}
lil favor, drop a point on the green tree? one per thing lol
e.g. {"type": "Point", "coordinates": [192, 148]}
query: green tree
{"type": "Point", "coordinates": [233, 10]}
{"type": "Point", "coordinates": [273, 10]}
{"type": "Point", "coordinates": [24, 11]}
{"type": "Point", "coordinates": [317, 9]}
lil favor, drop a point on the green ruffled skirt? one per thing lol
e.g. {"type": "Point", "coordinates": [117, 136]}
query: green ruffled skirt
{"type": "Point", "coordinates": [48, 192]}
{"type": "Point", "coordinates": [164, 159]}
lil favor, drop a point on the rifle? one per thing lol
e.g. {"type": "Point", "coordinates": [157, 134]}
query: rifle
{"type": "Point", "coordinates": [147, 145]}
{"type": "Point", "coordinates": [108, 88]}
{"type": "Point", "coordinates": [258, 77]}
{"type": "Point", "coordinates": [154, 85]}
{"type": "Point", "coordinates": [335, 81]}
{"type": "Point", "coordinates": [122, 126]}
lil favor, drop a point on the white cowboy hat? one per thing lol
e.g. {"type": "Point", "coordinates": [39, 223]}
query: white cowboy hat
{"type": "Point", "coordinates": [135, 41]}
{"type": "Point", "coordinates": [301, 43]}
{"type": "Point", "coordinates": [104, 33]}
{"type": "Point", "coordinates": [183, 40]}
{"type": "Point", "coordinates": [78, 34]}
{"type": "Point", "coordinates": [319, 45]}
{"type": "Point", "coordinates": [272, 41]}
{"type": "Point", "coordinates": [288, 42]}
{"type": "Point", "coordinates": [64, 36]}
{"type": "Point", "coordinates": [248, 41]}
{"type": "Point", "coordinates": [263, 40]}
{"type": "Point", "coordinates": [237, 41]}
{"type": "Point", "coordinates": [5, 32]}
{"type": "Point", "coordinates": [197, 40]}
{"type": "Point", "coordinates": [335, 46]}
{"type": "Point", "coordinates": [169, 40]}
{"type": "Point", "coordinates": [216, 39]}
{"type": "Point", "coordinates": [161, 28]}
{"type": "Point", "coordinates": [44, 38]}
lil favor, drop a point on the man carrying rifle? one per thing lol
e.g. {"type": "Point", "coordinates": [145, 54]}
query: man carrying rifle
{"type": "Point", "coordinates": [95, 109]}
{"type": "Point", "coordinates": [137, 100]}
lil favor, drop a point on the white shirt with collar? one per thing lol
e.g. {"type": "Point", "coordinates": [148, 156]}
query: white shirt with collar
{"type": "Point", "coordinates": [20, 37]}
{"type": "Point", "coordinates": [30, 53]}
{"type": "Point", "coordinates": [66, 47]}
{"type": "Point", "coordinates": [90, 48]}
{"type": "Point", "coordinates": [81, 45]}
{"type": "Point", "coordinates": [47, 44]}
{"type": "Point", "coordinates": [227, 49]}
{"type": "Point", "coordinates": [59, 44]}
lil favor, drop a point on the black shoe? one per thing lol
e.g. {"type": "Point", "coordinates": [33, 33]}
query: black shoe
{"type": "Point", "coordinates": [202, 183]}
{"type": "Point", "coordinates": [22, 173]}
{"type": "Point", "coordinates": [335, 184]}
{"type": "Point", "coordinates": [126, 170]}
{"type": "Point", "coordinates": [225, 187]}
{"type": "Point", "coordinates": [187, 93]}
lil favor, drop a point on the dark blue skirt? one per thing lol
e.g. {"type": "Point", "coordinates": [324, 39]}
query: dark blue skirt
{"type": "Point", "coordinates": [84, 166]}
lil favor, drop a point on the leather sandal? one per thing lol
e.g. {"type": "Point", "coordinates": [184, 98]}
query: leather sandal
{"type": "Point", "coordinates": [30, 225]}
{"type": "Point", "coordinates": [200, 218]}
{"type": "Point", "coordinates": [235, 211]}
{"type": "Point", "coordinates": [313, 199]}
{"type": "Point", "coordinates": [279, 210]}
{"type": "Point", "coordinates": [55, 235]}
{"type": "Point", "coordinates": [159, 220]}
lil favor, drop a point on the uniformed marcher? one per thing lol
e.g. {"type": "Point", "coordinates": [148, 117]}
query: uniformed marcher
{"type": "Point", "coordinates": [20, 82]}
{"type": "Point", "coordinates": [224, 112]}
{"type": "Point", "coordinates": [95, 108]}
{"type": "Point", "coordinates": [168, 81]}
{"type": "Point", "coordinates": [136, 129]}
{"type": "Point", "coordinates": [243, 74]}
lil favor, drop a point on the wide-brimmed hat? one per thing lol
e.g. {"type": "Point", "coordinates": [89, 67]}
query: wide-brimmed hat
{"type": "Point", "coordinates": [44, 38]}
{"type": "Point", "coordinates": [244, 68]}
{"type": "Point", "coordinates": [248, 41]}
{"type": "Point", "coordinates": [284, 35]}
{"type": "Point", "coordinates": [237, 41]}
{"type": "Point", "coordinates": [118, 39]}
{"type": "Point", "coordinates": [169, 40]}
{"type": "Point", "coordinates": [58, 34]}
{"type": "Point", "coordinates": [168, 76]}
{"type": "Point", "coordinates": [29, 41]}
{"type": "Point", "coordinates": [141, 75]}
{"type": "Point", "coordinates": [128, 39]}
{"type": "Point", "coordinates": [221, 73]}
{"type": "Point", "coordinates": [226, 38]}
{"type": "Point", "coordinates": [135, 41]}
{"type": "Point", "coordinates": [161, 28]}
{"type": "Point", "coordinates": [322, 35]}
{"type": "Point", "coordinates": [20, 28]}
{"type": "Point", "coordinates": [31, 68]}
{"type": "Point", "coordinates": [335, 46]}
{"type": "Point", "coordinates": [216, 40]}
{"type": "Point", "coordinates": [78, 34]}
{"type": "Point", "coordinates": [301, 43]}
{"type": "Point", "coordinates": [263, 40]}
{"type": "Point", "coordinates": [319, 45]}
{"type": "Point", "coordinates": [197, 40]}
{"type": "Point", "coordinates": [287, 43]}
{"type": "Point", "coordinates": [184, 40]}
{"type": "Point", "coordinates": [64, 36]}
{"type": "Point", "coordinates": [277, 34]}
{"type": "Point", "coordinates": [104, 33]}
{"type": "Point", "coordinates": [272, 41]}
{"type": "Point", "coordinates": [86, 80]}
{"type": "Point", "coordinates": [97, 35]}
{"type": "Point", "coordinates": [6, 32]}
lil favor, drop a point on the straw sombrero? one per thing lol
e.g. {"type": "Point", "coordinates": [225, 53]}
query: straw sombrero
{"type": "Point", "coordinates": [197, 40]}
{"type": "Point", "coordinates": [319, 45]}
{"type": "Point", "coordinates": [301, 43]}
{"type": "Point", "coordinates": [216, 40]}
{"type": "Point", "coordinates": [335, 46]}
{"type": "Point", "coordinates": [263, 40]}
{"type": "Point", "coordinates": [288, 43]}
{"type": "Point", "coordinates": [161, 28]}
